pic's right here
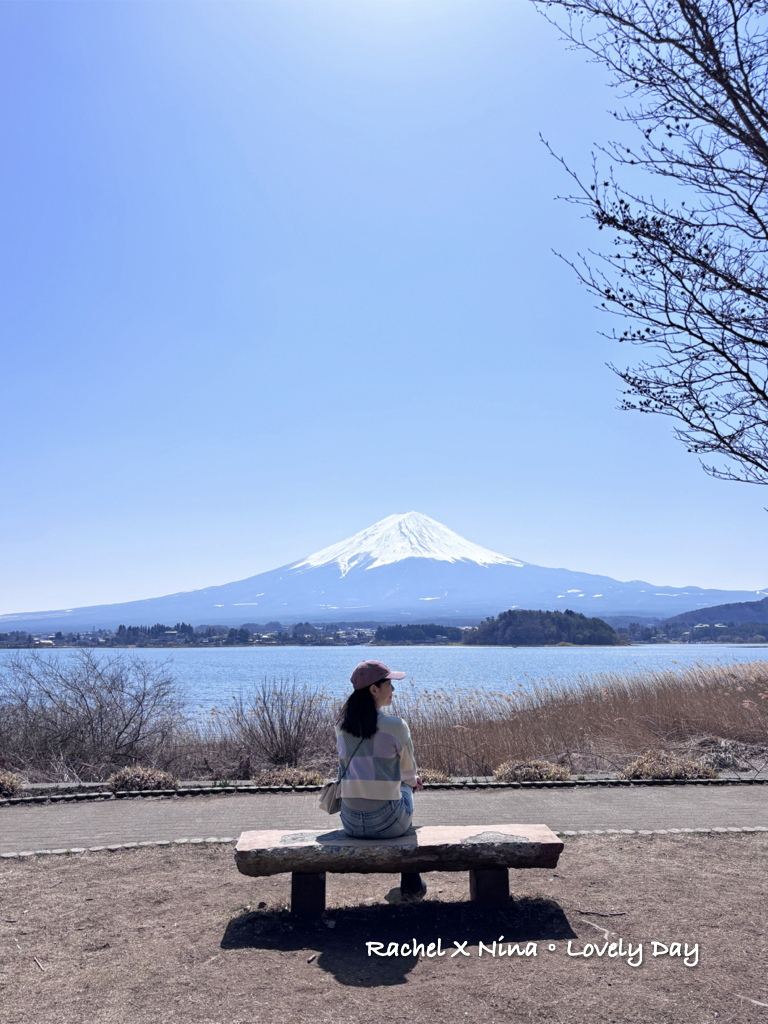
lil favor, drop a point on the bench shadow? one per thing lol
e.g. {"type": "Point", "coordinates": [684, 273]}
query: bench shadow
{"type": "Point", "coordinates": [342, 950]}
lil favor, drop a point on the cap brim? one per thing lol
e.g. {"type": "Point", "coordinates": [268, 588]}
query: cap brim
{"type": "Point", "coordinates": [395, 675]}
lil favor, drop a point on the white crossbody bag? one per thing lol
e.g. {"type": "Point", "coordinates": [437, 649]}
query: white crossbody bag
{"type": "Point", "coordinates": [330, 794]}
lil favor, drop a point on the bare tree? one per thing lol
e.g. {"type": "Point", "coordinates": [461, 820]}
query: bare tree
{"type": "Point", "coordinates": [687, 271]}
{"type": "Point", "coordinates": [83, 716]}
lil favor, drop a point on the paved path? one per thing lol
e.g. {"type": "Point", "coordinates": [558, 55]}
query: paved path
{"type": "Point", "coordinates": [102, 823]}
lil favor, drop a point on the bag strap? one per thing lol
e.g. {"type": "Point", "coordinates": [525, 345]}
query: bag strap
{"type": "Point", "coordinates": [349, 762]}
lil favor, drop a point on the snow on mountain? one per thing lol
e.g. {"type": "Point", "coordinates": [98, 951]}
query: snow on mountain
{"type": "Point", "coordinates": [409, 535]}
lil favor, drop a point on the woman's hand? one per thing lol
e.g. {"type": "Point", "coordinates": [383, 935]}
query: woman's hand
{"type": "Point", "coordinates": [418, 785]}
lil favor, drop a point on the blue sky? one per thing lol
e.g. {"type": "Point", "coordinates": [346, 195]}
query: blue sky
{"type": "Point", "coordinates": [273, 271]}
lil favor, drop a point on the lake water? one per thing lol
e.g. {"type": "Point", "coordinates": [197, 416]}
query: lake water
{"type": "Point", "coordinates": [210, 677]}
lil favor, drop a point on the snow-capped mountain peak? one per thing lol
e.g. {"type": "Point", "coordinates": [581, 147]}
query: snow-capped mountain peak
{"type": "Point", "coordinates": [408, 535]}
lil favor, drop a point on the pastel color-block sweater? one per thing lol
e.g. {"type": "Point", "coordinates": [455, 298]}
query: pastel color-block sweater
{"type": "Point", "coordinates": [381, 763]}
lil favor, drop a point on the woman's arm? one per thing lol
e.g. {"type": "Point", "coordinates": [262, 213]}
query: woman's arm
{"type": "Point", "coordinates": [407, 760]}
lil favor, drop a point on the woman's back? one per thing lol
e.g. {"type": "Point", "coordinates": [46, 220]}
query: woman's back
{"type": "Point", "coordinates": [373, 768]}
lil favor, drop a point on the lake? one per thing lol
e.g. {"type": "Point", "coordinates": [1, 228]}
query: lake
{"type": "Point", "coordinates": [211, 676]}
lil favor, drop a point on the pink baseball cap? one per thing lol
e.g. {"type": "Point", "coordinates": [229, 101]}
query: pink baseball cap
{"type": "Point", "coordinates": [368, 672]}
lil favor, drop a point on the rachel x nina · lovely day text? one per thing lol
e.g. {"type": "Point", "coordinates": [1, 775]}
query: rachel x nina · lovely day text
{"type": "Point", "coordinates": [689, 955]}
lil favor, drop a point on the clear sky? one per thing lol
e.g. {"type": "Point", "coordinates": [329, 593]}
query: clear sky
{"type": "Point", "coordinates": [273, 271]}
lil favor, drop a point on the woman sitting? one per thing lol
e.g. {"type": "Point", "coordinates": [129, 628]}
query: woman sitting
{"type": "Point", "coordinates": [377, 768]}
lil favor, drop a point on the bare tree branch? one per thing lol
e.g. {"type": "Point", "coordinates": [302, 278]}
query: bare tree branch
{"type": "Point", "coordinates": [689, 278]}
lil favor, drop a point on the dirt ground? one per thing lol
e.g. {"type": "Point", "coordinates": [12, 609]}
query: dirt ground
{"type": "Point", "coordinates": [177, 935]}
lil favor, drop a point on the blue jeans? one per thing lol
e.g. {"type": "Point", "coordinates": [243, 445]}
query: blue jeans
{"type": "Point", "coordinates": [389, 822]}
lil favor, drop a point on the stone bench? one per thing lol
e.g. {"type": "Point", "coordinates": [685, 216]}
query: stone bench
{"type": "Point", "coordinates": [486, 851]}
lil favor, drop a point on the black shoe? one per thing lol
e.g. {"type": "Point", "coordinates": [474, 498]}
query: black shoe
{"type": "Point", "coordinates": [414, 897]}
{"type": "Point", "coordinates": [412, 887]}
{"type": "Point", "coordinates": [399, 898]}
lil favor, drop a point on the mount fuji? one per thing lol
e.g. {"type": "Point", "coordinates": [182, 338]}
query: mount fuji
{"type": "Point", "coordinates": [404, 568]}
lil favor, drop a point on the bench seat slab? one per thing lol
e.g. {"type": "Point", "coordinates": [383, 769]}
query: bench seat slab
{"type": "Point", "coordinates": [423, 848]}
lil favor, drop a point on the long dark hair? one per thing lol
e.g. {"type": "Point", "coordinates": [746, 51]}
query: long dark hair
{"type": "Point", "coordinates": [359, 714]}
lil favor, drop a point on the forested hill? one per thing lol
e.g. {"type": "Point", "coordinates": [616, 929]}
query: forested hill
{"type": "Point", "coordinates": [520, 628]}
{"type": "Point", "coordinates": [740, 611]}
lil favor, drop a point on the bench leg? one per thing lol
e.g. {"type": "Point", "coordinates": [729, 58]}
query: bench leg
{"type": "Point", "coordinates": [308, 894]}
{"type": "Point", "coordinates": [489, 887]}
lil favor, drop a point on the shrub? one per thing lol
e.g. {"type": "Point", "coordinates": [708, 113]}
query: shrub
{"type": "Point", "coordinates": [288, 776]}
{"type": "Point", "coordinates": [531, 771]}
{"type": "Point", "coordinates": [663, 764]}
{"type": "Point", "coordinates": [9, 784]}
{"type": "Point", "coordinates": [81, 716]}
{"type": "Point", "coordinates": [137, 776]}
{"type": "Point", "coordinates": [279, 721]}
{"type": "Point", "coordinates": [433, 775]}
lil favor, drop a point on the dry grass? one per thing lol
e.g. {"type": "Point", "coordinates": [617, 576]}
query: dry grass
{"type": "Point", "coordinates": [9, 784]}
{"type": "Point", "coordinates": [592, 723]}
{"type": "Point", "coordinates": [433, 775]}
{"type": "Point", "coordinates": [531, 771]}
{"type": "Point", "coordinates": [117, 714]}
{"type": "Point", "coordinates": [136, 777]}
{"type": "Point", "coordinates": [288, 777]}
{"type": "Point", "coordinates": [664, 764]}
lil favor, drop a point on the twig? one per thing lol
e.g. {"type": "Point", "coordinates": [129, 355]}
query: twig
{"type": "Point", "coordinates": [748, 1000]}
{"type": "Point", "coordinates": [38, 963]}
{"type": "Point", "coordinates": [597, 927]}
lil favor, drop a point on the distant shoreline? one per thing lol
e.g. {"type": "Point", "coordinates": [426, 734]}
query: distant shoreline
{"type": "Point", "coordinates": [218, 647]}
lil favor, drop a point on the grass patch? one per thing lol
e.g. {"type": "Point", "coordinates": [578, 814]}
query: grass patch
{"type": "Point", "coordinates": [10, 784]}
{"type": "Point", "coordinates": [531, 771]}
{"type": "Point", "coordinates": [139, 777]}
{"type": "Point", "coordinates": [665, 765]}
{"type": "Point", "coordinates": [288, 777]}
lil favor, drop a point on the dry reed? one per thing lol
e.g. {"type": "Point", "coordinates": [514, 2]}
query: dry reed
{"type": "Point", "coordinates": [85, 722]}
{"type": "Point", "coordinates": [591, 723]}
